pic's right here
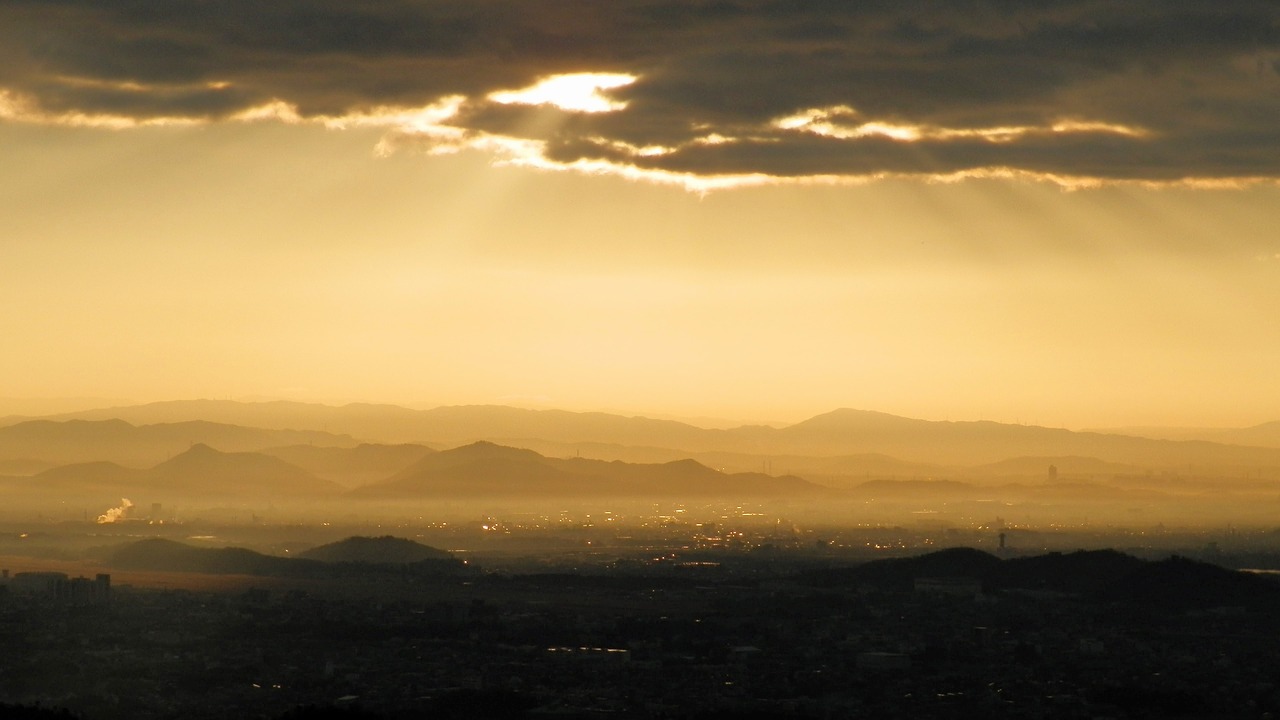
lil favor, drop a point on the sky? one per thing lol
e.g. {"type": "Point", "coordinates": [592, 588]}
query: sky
{"type": "Point", "coordinates": [1062, 212]}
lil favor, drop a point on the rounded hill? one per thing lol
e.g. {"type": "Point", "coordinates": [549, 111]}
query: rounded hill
{"type": "Point", "coordinates": [388, 550]}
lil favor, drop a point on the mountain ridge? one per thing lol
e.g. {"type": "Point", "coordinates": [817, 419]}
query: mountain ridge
{"type": "Point", "coordinates": [487, 469]}
{"type": "Point", "coordinates": [383, 550]}
{"type": "Point", "coordinates": [200, 473]}
{"type": "Point", "coordinates": [75, 440]}
{"type": "Point", "coordinates": [1100, 575]}
{"type": "Point", "coordinates": [842, 432]}
{"type": "Point", "coordinates": [161, 554]}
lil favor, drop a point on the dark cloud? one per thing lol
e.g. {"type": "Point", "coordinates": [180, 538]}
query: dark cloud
{"type": "Point", "coordinates": [1173, 88]}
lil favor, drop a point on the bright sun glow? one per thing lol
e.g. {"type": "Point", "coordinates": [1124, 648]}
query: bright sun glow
{"type": "Point", "coordinates": [575, 92]}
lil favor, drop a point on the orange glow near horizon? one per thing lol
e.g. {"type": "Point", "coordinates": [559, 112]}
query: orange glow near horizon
{"type": "Point", "coordinates": [277, 256]}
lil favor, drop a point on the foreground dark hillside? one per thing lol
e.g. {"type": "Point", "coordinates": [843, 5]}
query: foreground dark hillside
{"type": "Point", "coordinates": [1075, 635]}
{"type": "Point", "coordinates": [1099, 576]}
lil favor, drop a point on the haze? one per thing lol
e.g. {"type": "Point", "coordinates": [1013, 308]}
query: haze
{"type": "Point", "coordinates": [682, 359]}
{"type": "Point", "coordinates": [1086, 239]}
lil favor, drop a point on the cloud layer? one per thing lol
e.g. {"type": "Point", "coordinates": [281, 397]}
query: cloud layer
{"type": "Point", "coordinates": [697, 92]}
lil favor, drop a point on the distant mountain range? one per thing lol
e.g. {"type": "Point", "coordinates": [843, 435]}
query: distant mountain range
{"type": "Point", "coordinates": [843, 442]}
{"type": "Point", "coordinates": [484, 469]}
{"type": "Point", "coordinates": [317, 453]}
{"type": "Point", "coordinates": [199, 473]}
{"type": "Point", "coordinates": [393, 424]}
{"type": "Point", "coordinates": [1264, 435]}
{"type": "Point", "coordinates": [202, 470]}
{"type": "Point", "coordinates": [114, 440]}
{"type": "Point", "coordinates": [473, 471]}
{"type": "Point", "coordinates": [351, 466]}
{"type": "Point", "coordinates": [205, 477]}
{"type": "Point", "coordinates": [973, 443]}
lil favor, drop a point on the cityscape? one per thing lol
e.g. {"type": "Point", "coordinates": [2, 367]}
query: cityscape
{"type": "Point", "coordinates": [475, 578]}
{"type": "Point", "coordinates": [641, 359]}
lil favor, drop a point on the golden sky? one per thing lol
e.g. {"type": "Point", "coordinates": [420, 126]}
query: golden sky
{"type": "Point", "coordinates": [1057, 219]}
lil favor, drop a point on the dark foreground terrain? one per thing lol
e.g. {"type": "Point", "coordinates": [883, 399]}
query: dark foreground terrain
{"type": "Point", "coordinates": [954, 634]}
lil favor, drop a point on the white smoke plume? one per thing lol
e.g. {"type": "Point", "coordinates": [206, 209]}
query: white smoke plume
{"type": "Point", "coordinates": [116, 513]}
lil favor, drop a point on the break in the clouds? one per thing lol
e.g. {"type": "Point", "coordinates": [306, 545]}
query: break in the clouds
{"type": "Point", "coordinates": [701, 93]}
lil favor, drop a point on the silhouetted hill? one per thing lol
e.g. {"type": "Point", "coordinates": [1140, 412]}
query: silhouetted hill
{"type": "Point", "coordinates": [1085, 572]}
{"type": "Point", "coordinates": [76, 441]}
{"type": "Point", "coordinates": [206, 472]}
{"type": "Point", "coordinates": [480, 451]}
{"type": "Point", "coordinates": [840, 433]}
{"type": "Point", "coordinates": [480, 469]}
{"type": "Point", "coordinates": [487, 469]}
{"type": "Point", "coordinates": [1099, 576]}
{"type": "Point", "coordinates": [1264, 435]}
{"type": "Point", "coordinates": [376, 550]}
{"type": "Point", "coordinates": [970, 443]}
{"type": "Point", "coordinates": [359, 465]}
{"type": "Point", "coordinates": [900, 573]}
{"type": "Point", "coordinates": [849, 469]}
{"type": "Point", "coordinates": [91, 473]}
{"type": "Point", "coordinates": [1182, 583]}
{"type": "Point", "coordinates": [94, 476]}
{"type": "Point", "coordinates": [842, 422]}
{"type": "Point", "coordinates": [158, 554]}
{"type": "Point", "coordinates": [394, 424]}
{"type": "Point", "coordinates": [831, 471]}
{"type": "Point", "coordinates": [466, 423]}
{"type": "Point", "coordinates": [89, 486]}
{"type": "Point", "coordinates": [201, 473]}
{"type": "Point", "coordinates": [171, 556]}
{"type": "Point", "coordinates": [277, 415]}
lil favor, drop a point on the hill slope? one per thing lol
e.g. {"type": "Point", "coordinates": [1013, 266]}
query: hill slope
{"type": "Point", "coordinates": [76, 441]}
{"type": "Point", "coordinates": [843, 432]}
{"type": "Point", "coordinates": [1098, 575]}
{"type": "Point", "coordinates": [376, 550]}
{"type": "Point", "coordinates": [158, 554]}
{"type": "Point", "coordinates": [199, 474]}
{"type": "Point", "coordinates": [351, 466]}
{"type": "Point", "coordinates": [202, 471]}
{"type": "Point", "coordinates": [486, 469]}
{"type": "Point", "coordinates": [972, 443]}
